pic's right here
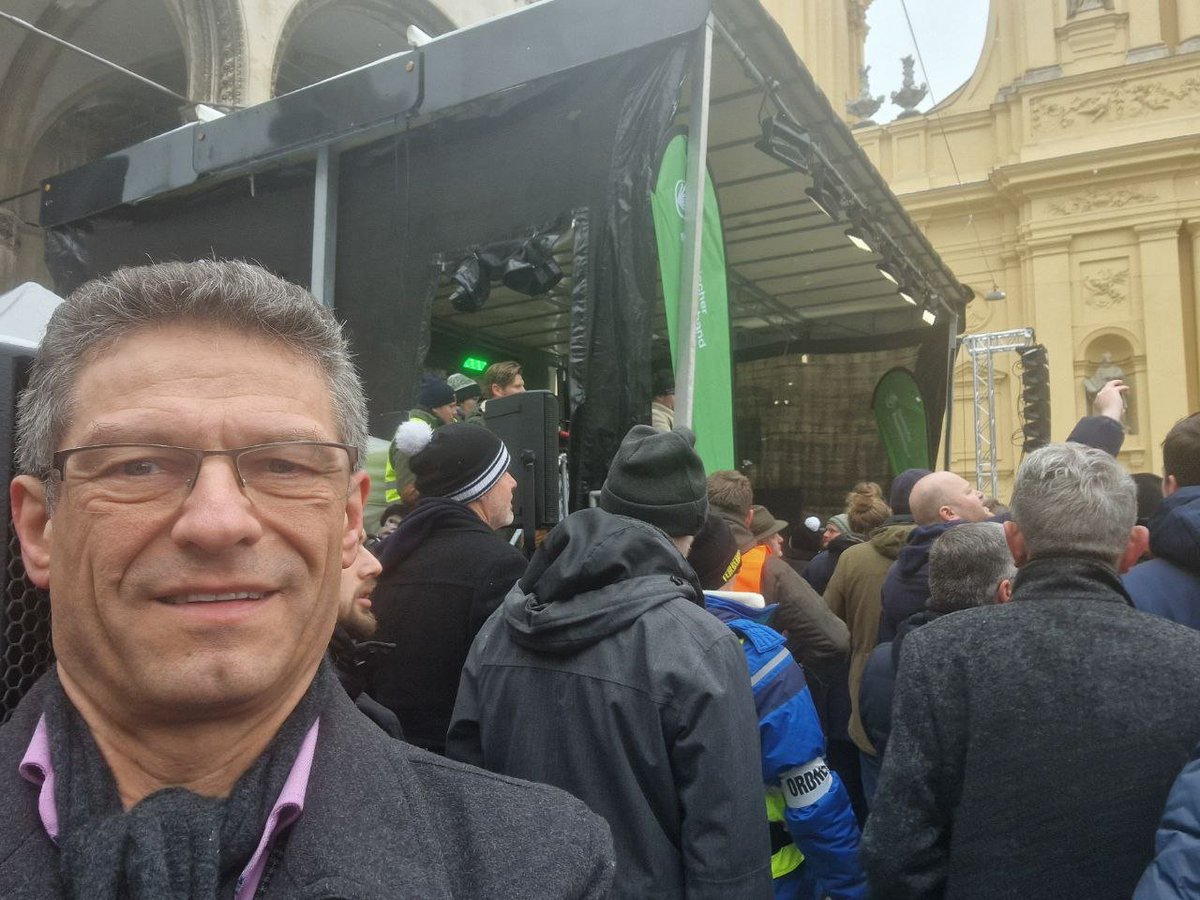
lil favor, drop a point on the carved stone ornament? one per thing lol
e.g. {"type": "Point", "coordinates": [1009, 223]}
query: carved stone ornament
{"type": "Point", "coordinates": [1095, 198]}
{"type": "Point", "coordinates": [1075, 7]}
{"type": "Point", "coordinates": [1106, 288]}
{"type": "Point", "coordinates": [864, 105]}
{"type": "Point", "coordinates": [1123, 100]}
{"type": "Point", "coordinates": [909, 94]}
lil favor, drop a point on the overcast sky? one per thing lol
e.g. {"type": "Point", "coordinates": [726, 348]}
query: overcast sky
{"type": "Point", "coordinates": [949, 33]}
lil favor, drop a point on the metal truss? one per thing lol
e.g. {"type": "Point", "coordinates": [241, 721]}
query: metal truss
{"type": "Point", "coordinates": [982, 348]}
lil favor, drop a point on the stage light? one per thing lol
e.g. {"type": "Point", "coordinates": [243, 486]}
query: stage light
{"type": "Point", "coordinates": [889, 271]}
{"type": "Point", "coordinates": [532, 270]}
{"type": "Point", "coordinates": [472, 282]}
{"type": "Point", "coordinates": [995, 295]}
{"type": "Point", "coordinates": [858, 236]}
{"type": "Point", "coordinates": [787, 142]}
{"type": "Point", "coordinates": [824, 195]}
{"type": "Point", "coordinates": [929, 317]}
{"type": "Point", "coordinates": [908, 295]}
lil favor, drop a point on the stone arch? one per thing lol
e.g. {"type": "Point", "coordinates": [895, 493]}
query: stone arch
{"type": "Point", "coordinates": [296, 65]}
{"type": "Point", "coordinates": [215, 42]}
{"type": "Point", "coordinates": [49, 90]}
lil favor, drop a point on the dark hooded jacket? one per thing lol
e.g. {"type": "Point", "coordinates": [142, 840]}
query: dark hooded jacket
{"type": "Point", "coordinates": [820, 570]}
{"type": "Point", "coordinates": [444, 572]}
{"type": "Point", "coordinates": [906, 587]}
{"type": "Point", "coordinates": [879, 681]}
{"type": "Point", "coordinates": [602, 674]}
{"type": "Point", "coordinates": [1169, 584]}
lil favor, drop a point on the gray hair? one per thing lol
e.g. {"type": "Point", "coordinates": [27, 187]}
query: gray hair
{"type": "Point", "coordinates": [229, 294]}
{"type": "Point", "coordinates": [966, 564]}
{"type": "Point", "coordinates": [1072, 500]}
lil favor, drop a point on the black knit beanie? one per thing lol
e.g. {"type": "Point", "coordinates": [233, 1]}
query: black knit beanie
{"type": "Point", "coordinates": [714, 555]}
{"type": "Point", "coordinates": [433, 393]}
{"type": "Point", "coordinates": [902, 486]}
{"type": "Point", "coordinates": [458, 461]}
{"type": "Point", "coordinates": [657, 477]}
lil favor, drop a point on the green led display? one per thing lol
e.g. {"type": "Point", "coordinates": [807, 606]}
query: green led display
{"type": "Point", "coordinates": [474, 364]}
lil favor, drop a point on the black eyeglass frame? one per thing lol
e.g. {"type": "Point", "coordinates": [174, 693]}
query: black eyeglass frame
{"type": "Point", "coordinates": [59, 459]}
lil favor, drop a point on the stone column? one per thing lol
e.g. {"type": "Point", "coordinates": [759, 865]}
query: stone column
{"type": "Point", "coordinates": [1189, 26]}
{"type": "Point", "coordinates": [1162, 313]}
{"type": "Point", "coordinates": [1051, 316]}
{"type": "Point", "coordinates": [1194, 336]}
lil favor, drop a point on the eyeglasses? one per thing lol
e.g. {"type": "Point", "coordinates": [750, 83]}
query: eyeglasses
{"type": "Point", "coordinates": [142, 473]}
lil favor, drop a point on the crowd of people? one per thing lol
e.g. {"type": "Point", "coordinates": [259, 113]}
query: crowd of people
{"type": "Point", "coordinates": [253, 698]}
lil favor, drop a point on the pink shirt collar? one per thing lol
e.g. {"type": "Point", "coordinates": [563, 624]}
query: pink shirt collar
{"type": "Point", "coordinates": [36, 768]}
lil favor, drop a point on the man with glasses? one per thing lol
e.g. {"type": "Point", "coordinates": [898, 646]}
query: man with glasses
{"type": "Point", "coordinates": [191, 491]}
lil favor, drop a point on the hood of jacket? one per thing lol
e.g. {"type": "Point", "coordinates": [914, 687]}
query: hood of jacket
{"type": "Point", "coordinates": [914, 555]}
{"type": "Point", "coordinates": [731, 605]}
{"type": "Point", "coordinates": [888, 539]}
{"type": "Point", "coordinates": [909, 625]}
{"type": "Point", "coordinates": [593, 576]}
{"type": "Point", "coordinates": [431, 514]}
{"type": "Point", "coordinates": [1175, 529]}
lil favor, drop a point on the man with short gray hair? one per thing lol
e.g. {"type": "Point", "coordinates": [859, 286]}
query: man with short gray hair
{"type": "Point", "coordinates": [191, 489]}
{"type": "Point", "coordinates": [1034, 742]}
{"type": "Point", "coordinates": [969, 566]}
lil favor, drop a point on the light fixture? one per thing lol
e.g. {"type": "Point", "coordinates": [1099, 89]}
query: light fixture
{"type": "Point", "coordinates": [824, 195]}
{"type": "Point", "coordinates": [785, 141]}
{"type": "Point", "coordinates": [908, 294]}
{"type": "Point", "coordinates": [929, 317]}
{"type": "Point", "coordinates": [995, 295]}
{"type": "Point", "coordinates": [472, 285]}
{"type": "Point", "coordinates": [532, 270]}
{"type": "Point", "coordinates": [889, 271]}
{"type": "Point", "coordinates": [859, 237]}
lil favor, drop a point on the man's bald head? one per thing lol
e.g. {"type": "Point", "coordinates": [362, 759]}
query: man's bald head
{"type": "Point", "coordinates": [946, 497]}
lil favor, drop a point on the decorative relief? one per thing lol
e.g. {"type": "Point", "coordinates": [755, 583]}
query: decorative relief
{"type": "Point", "coordinates": [1123, 100]}
{"type": "Point", "coordinates": [1075, 7]}
{"type": "Point", "coordinates": [1105, 288]}
{"type": "Point", "coordinates": [1095, 198]}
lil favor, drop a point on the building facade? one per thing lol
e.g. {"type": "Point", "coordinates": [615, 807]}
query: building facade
{"type": "Point", "coordinates": [1066, 172]}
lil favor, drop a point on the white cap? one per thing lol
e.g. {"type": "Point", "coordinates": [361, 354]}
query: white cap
{"type": "Point", "coordinates": [812, 523]}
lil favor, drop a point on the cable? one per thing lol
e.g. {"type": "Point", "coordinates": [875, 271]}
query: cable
{"type": "Point", "coordinates": [945, 138]}
{"type": "Point", "coordinates": [11, 198]}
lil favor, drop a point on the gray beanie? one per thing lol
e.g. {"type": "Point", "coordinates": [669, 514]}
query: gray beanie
{"type": "Point", "coordinates": [657, 477]}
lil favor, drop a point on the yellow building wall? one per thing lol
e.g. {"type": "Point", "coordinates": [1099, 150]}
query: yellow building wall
{"type": "Point", "coordinates": [1077, 145]}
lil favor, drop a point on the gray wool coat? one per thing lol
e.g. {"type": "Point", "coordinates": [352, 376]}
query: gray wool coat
{"type": "Point", "coordinates": [1034, 744]}
{"type": "Point", "coordinates": [382, 819]}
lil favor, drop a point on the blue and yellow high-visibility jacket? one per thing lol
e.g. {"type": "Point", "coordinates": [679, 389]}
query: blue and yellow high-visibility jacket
{"type": "Point", "coordinates": [813, 831]}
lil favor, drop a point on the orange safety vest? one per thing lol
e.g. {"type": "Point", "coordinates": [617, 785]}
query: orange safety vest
{"type": "Point", "coordinates": [749, 577]}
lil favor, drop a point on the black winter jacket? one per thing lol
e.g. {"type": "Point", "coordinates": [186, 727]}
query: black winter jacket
{"type": "Point", "coordinates": [1033, 744]}
{"type": "Point", "coordinates": [444, 572]}
{"type": "Point", "coordinates": [604, 675]}
{"type": "Point", "coordinates": [381, 820]}
{"type": "Point", "coordinates": [906, 587]}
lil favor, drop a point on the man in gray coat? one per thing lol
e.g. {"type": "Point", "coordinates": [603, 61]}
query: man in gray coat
{"type": "Point", "coordinates": [603, 674]}
{"type": "Point", "coordinates": [1034, 743]}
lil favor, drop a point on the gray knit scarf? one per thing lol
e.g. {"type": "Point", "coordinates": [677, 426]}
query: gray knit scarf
{"type": "Point", "coordinates": [174, 844]}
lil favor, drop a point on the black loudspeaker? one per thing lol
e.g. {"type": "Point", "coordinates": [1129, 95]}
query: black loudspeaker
{"type": "Point", "coordinates": [1035, 398]}
{"type": "Point", "coordinates": [25, 651]}
{"type": "Point", "coordinates": [528, 424]}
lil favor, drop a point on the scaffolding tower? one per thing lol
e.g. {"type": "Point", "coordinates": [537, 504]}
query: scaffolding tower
{"type": "Point", "coordinates": [982, 348]}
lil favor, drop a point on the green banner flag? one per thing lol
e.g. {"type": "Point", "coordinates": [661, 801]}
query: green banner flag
{"type": "Point", "coordinates": [712, 404]}
{"type": "Point", "coordinates": [900, 417]}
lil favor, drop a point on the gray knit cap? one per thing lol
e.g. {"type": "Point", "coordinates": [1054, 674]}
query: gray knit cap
{"type": "Point", "coordinates": [657, 477]}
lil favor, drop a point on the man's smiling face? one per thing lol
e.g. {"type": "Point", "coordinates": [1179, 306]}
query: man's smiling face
{"type": "Point", "coordinates": [224, 598]}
